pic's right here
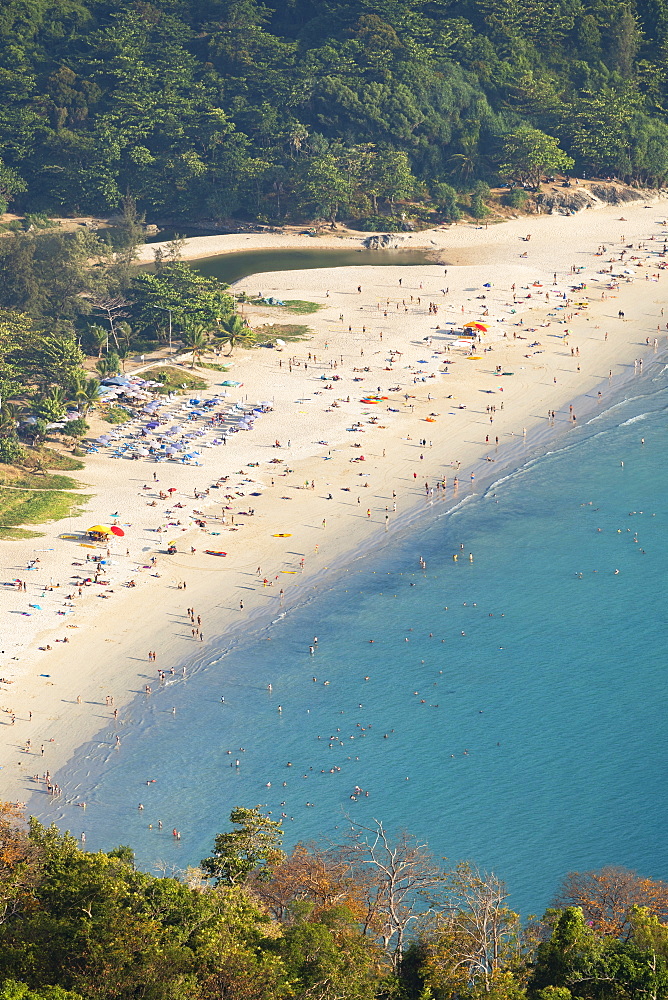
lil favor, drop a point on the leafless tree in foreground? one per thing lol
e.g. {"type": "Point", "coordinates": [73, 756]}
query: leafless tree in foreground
{"type": "Point", "coordinates": [398, 876]}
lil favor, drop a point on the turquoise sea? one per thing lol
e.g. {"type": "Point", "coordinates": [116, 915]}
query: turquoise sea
{"type": "Point", "coordinates": [514, 712]}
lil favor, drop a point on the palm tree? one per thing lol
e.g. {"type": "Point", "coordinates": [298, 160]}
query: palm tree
{"type": "Point", "coordinates": [125, 331]}
{"type": "Point", "coordinates": [197, 340]}
{"type": "Point", "coordinates": [9, 419]}
{"type": "Point", "coordinates": [87, 395]}
{"type": "Point", "coordinates": [470, 161]}
{"type": "Point", "coordinates": [76, 383]}
{"type": "Point", "coordinates": [124, 353]}
{"type": "Point", "coordinates": [50, 405]}
{"type": "Point", "coordinates": [236, 332]}
{"type": "Point", "coordinates": [111, 365]}
{"type": "Point", "coordinates": [99, 336]}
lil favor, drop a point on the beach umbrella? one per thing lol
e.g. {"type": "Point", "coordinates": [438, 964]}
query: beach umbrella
{"type": "Point", "coordinates": [474, 325]}
{"type": "Point", "coordinates": [172, 489]}
{"type": "Point", "coordinates": [99, 529]}
{"type": "Point", "coordinates": [115, 530]}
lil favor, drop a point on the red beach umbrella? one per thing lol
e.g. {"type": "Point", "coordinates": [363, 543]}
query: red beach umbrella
{"type": "Point", "coordinates": [115, 530]}
{"type": "Point", "coordinates": [172, 489]}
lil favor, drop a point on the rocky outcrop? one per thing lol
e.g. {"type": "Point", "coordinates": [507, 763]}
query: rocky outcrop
{"type": "Point", "coordinates": [384, 241]}
{"type": "Point", "coordinates": [614, 194]}
{"type": "Point", "coordinates": [568, 201]}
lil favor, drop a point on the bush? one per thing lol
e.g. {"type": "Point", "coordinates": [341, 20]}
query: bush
{"type": "Point", "coordinates": [445, 198]}
{"type": "Point", "coordinates": [76, 428]}
{"type": "Point", "coordinates": [482, 189]}
{"type": "Point", "coordinates": [381, 224]}
{"type": "Point", "coordinates": [39, 220]}
{"type": "Point", "coordinates": [517, 198]}
{"type": "Point", "coordinates": [11, 451]}
{"type": "Point", "coordinates": [478, 207]}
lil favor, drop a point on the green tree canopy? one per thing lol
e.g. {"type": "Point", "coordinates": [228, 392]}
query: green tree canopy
{"type": "Point", "coordinates": [529, 153]}
{"type": "Point", "coordinates": [253, 847]}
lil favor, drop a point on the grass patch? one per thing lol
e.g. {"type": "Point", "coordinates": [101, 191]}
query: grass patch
{"type": "Point", "coordinates": [30, 495]}
{"type": "Point", "coordinates": [174, 379]}
{"type": "Point", "coordinates": [299, 306]}
{"type": "Point", "coordinates": [117, 415]}
{"type": "Point", "coordinates": [47, 458]}
{"type": "Point", "coordinates": [212, 367]}
{"type": "Point", "coordinates": [18, 534]}
{"type": "Point", "coordinates": [26, 479]}
{"type": "Point", "coordinates": [282, 331]}
{"type": "Point", "coordinates": [23, 506]}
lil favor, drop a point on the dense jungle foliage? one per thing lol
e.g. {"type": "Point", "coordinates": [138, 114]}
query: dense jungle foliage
{"type": "Point", "coordinates": [375, 917]}
{"type": "Point", "coordinates": [224, 109]}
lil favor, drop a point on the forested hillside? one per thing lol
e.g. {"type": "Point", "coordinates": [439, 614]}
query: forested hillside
{"type": "Point", "coordinates": [218, 109]}
{"type": "Point", "coordinates": [375, 918]}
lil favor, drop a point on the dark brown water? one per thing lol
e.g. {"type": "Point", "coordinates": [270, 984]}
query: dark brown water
{"type": "Point", "coordinates": [231, 267]}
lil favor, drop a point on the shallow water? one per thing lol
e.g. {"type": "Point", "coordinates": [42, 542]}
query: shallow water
{"type": "Point", "coordinates": [522, 725]}
{"type": "Point", "coordinates": [229, 267]}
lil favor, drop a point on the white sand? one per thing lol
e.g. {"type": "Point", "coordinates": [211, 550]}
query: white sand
{"type": "Point", "coordinates": [107, 651]}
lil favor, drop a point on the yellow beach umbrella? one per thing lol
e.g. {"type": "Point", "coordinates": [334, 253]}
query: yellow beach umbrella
{"type": "Point", "coordinates": [99, 529]}
{"type": "Point", "coordinates": [474, 325]}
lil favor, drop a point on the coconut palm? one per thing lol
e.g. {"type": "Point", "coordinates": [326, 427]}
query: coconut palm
{"type": "Point", "coordinates": [76, 383]}
{"type": "Point", "coordinates": [50, 406]}
{"type": "Point", "coordinates": [87, 395]}
{"type": "Point", "coordinates": [111, 365]}
{"type": "Point", "coordinates": [470, 162]}
{"type": "Point", "coordinates": [9, 419]}
{"type": "Point", "coordinates": [124, 353]}
{"type": "Point", "coordinates": [235, 331]}
{"type": "Point", "coordinates": [99, 336]}
{"type": "Point", "coordinates": [197, 340]}
{"type": "Point", "coordinates": [125, 332]}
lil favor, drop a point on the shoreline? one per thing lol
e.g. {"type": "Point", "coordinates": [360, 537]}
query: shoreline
{"type": "Point", "coordinates": [142, 617]}
{"type": "Point", "coordinates": [550, 441]}
{"type": "Point", "coordinates": [547, 440]}
{"type": "Point", "coordinates": [201, 247]}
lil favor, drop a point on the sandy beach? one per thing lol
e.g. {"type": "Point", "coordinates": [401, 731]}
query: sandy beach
{"type": "Point", "coordinates": [443, 411]}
